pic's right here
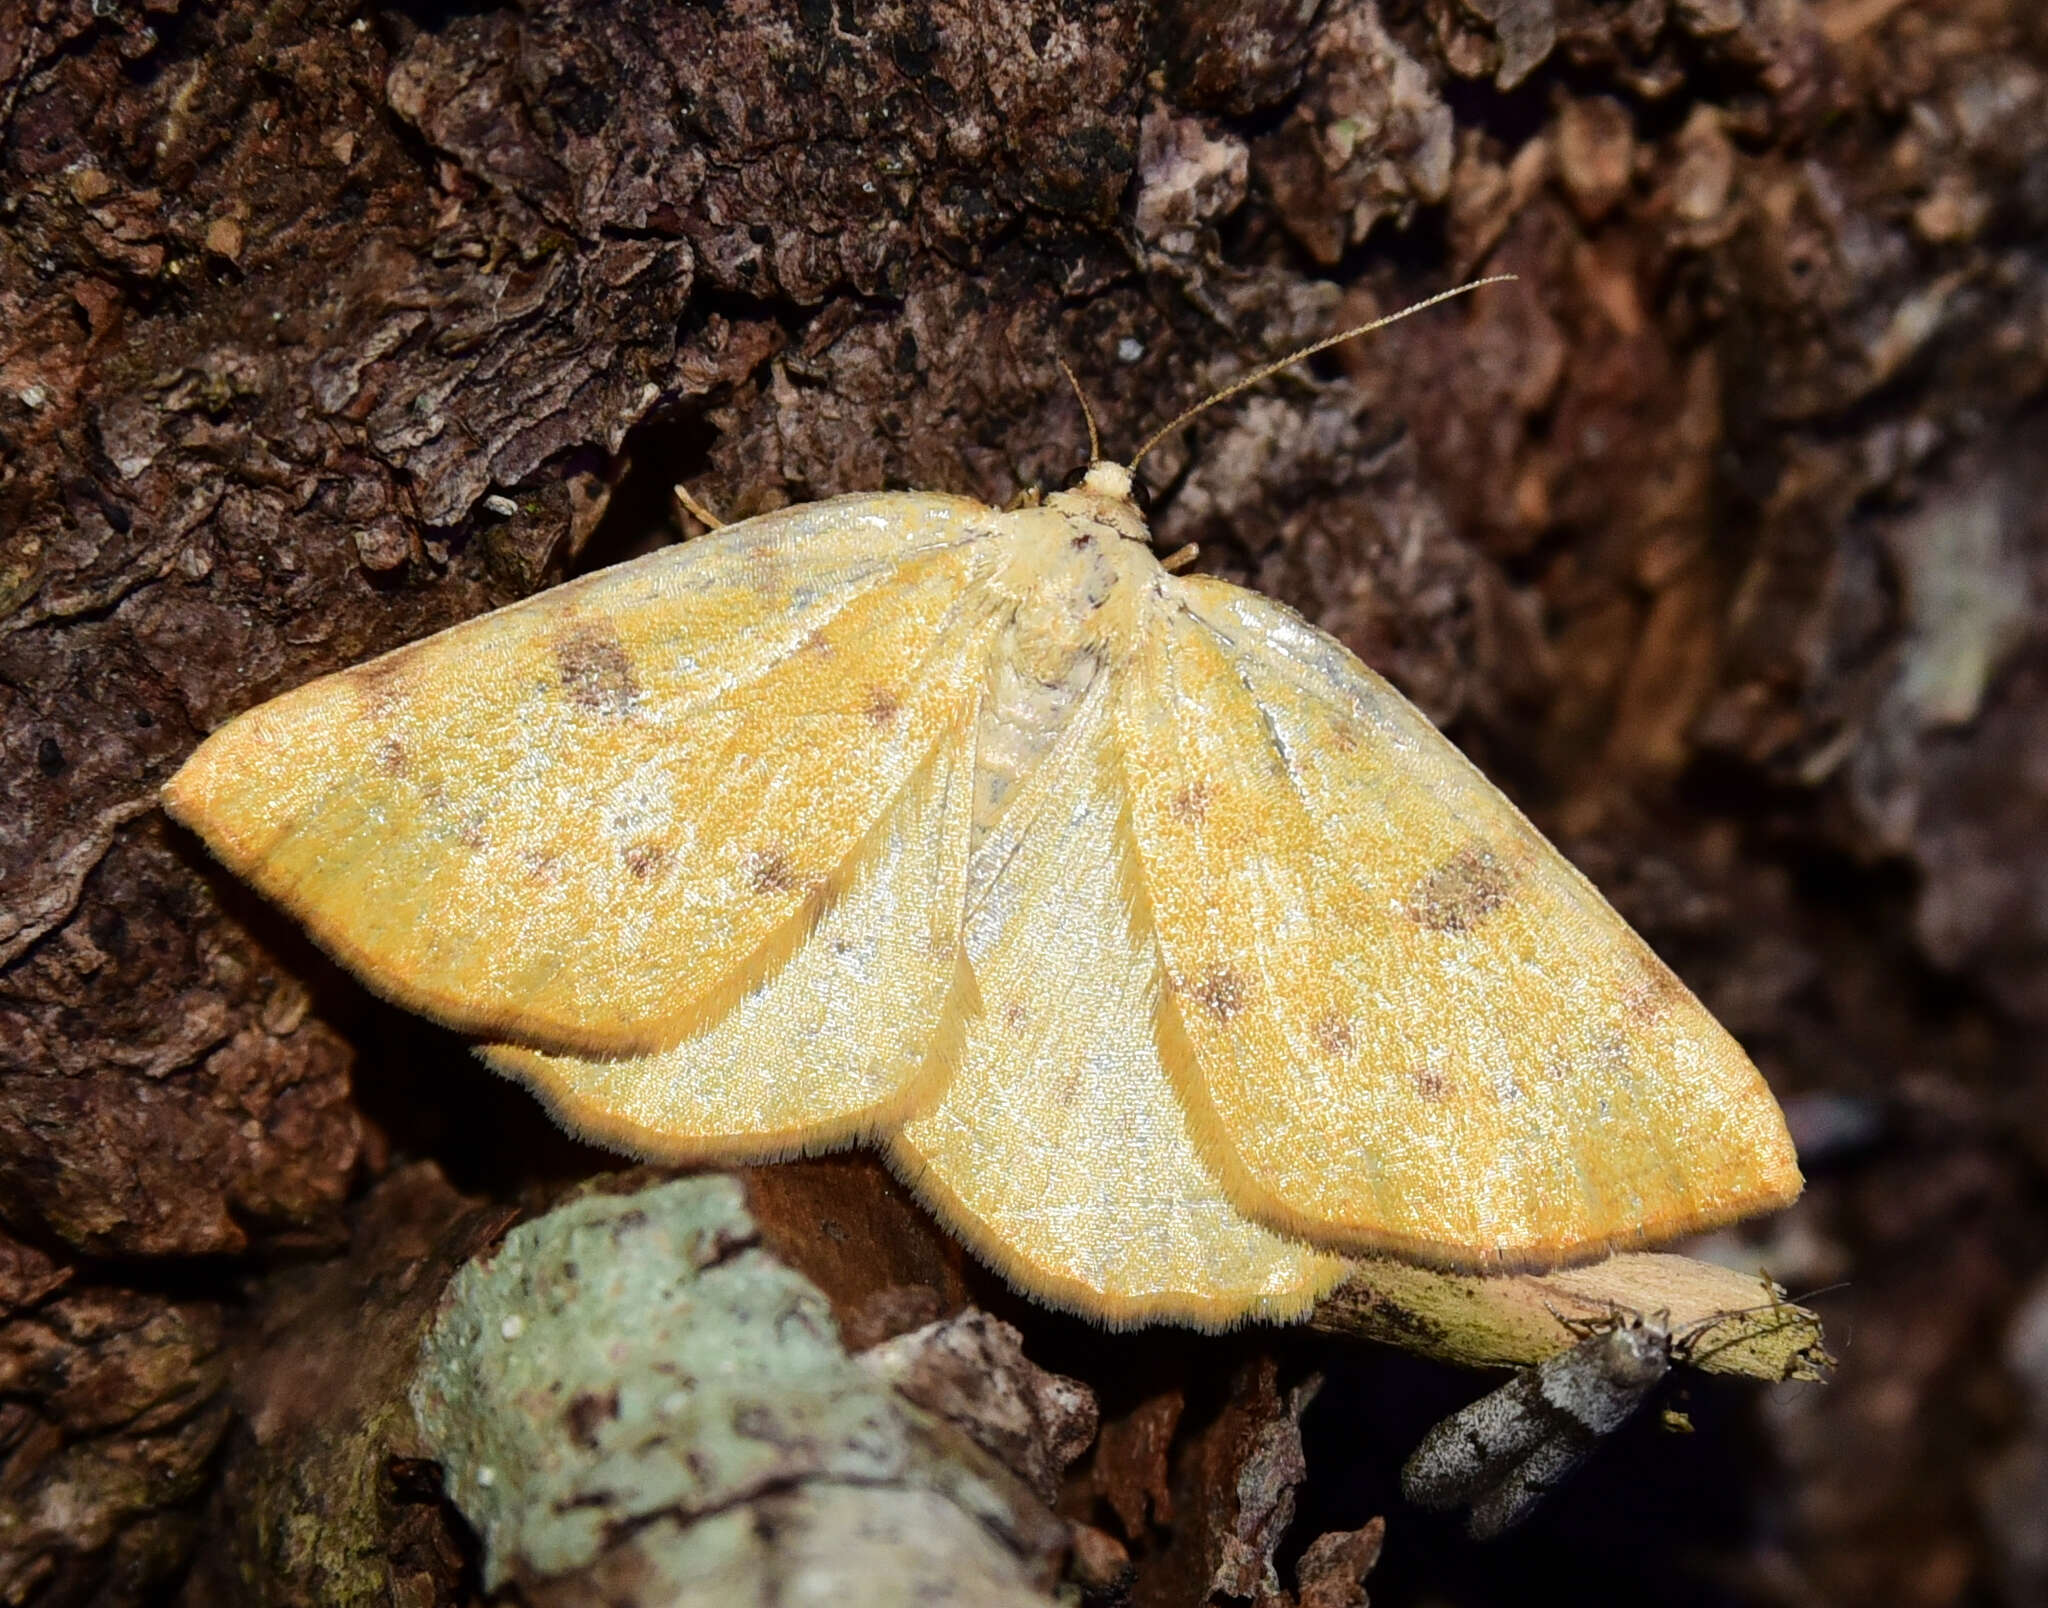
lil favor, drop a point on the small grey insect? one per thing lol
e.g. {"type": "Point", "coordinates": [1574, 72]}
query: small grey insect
{"type": "Point", "coordinates": [1507, 1450]}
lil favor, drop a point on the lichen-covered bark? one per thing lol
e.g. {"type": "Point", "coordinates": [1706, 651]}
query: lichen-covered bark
{"type": "Point", "coordinates": [633, 1400]}
{"type": "Point", "coordinates": [1717, 537]}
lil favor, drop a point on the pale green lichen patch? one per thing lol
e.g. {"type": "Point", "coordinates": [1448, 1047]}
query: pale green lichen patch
{"type": "Point", "coordinates": [630, 1387]}
{"type": "Point", "coordinates": [822, 1546]}
{"type": "Point", "coordinates": [629, 1356]}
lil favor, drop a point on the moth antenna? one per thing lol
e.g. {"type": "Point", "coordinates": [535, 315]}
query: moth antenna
{"type": "Point", "coordinates": [1266, 373]}
{"type": "Point", "coordinates": [1088, 413]}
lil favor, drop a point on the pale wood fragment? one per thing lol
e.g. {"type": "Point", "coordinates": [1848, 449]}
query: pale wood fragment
{"type": "Point", "coordinates": [1514, 1320]}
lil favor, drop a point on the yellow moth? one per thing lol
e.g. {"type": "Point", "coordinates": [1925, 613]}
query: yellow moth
{"type": "Point", "coordinates": [1169, 953]}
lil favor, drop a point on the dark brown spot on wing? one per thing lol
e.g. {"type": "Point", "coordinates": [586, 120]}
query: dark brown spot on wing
{"type": "Point", "coordinates": [882, 705]}
{"type": "Point", "coordinates": [1432, 1083]}
{"type": "Point", "coordinates": [1461, 893]}
{"type": "Point", "coordinates": [1222, 993]}
{"type": "Point", "coordinates": [1654, 994]}
{"type": "Point", "coordinates": [388, 755]}
{"type": "Point", "coordinates": [1332, 1035]}
{"type": "Point", "coordinates": [645, 859]}
{"type": "Point", "coordinates": [597, 674]}
{"type": "Point", "coordinates": [769, 871]}
{"type": "Point", "coordinates": [1190, 805]}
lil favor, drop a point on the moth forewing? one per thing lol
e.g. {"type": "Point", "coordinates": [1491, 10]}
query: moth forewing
{"type": "Point", "coordinates": [1508, 1450]}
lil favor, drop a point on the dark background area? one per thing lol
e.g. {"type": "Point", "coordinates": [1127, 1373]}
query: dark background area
{"type": "Point", "coordinates": [1717, 539]}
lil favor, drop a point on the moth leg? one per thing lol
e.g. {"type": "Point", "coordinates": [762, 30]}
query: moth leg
{"type": "Point", "coordinates": [697, 510]}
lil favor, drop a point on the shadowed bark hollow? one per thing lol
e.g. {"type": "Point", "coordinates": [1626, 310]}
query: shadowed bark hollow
{"type": "Point", "coordinates": [1717, 538]}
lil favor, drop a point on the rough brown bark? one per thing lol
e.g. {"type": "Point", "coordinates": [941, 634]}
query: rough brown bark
{"type": "Point", "coordinates": [1717, 538]}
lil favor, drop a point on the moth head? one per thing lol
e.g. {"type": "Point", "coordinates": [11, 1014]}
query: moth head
{"type": "Point", "coordinates": [1105, 479]}
{"type": "Point", "coordinates": [1104, 500]}
{"type": "Point", "coordinates": [1633, 1347]}
{"type": "Point", "coordinates": [1638, 1348]}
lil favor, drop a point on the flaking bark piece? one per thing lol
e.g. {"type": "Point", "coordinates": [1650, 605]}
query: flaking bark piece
{"type": "Point", "coordinates": [1130, 1468]}
{"type": "Point", "coordinates": [1250, 1508]}
{"type": "Point", "coordinates": [854, 1231]}
{"type": "Point", "coordinates": [971, 1370]}
{"type": "Point", "coordinates": [1332, 1571]}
